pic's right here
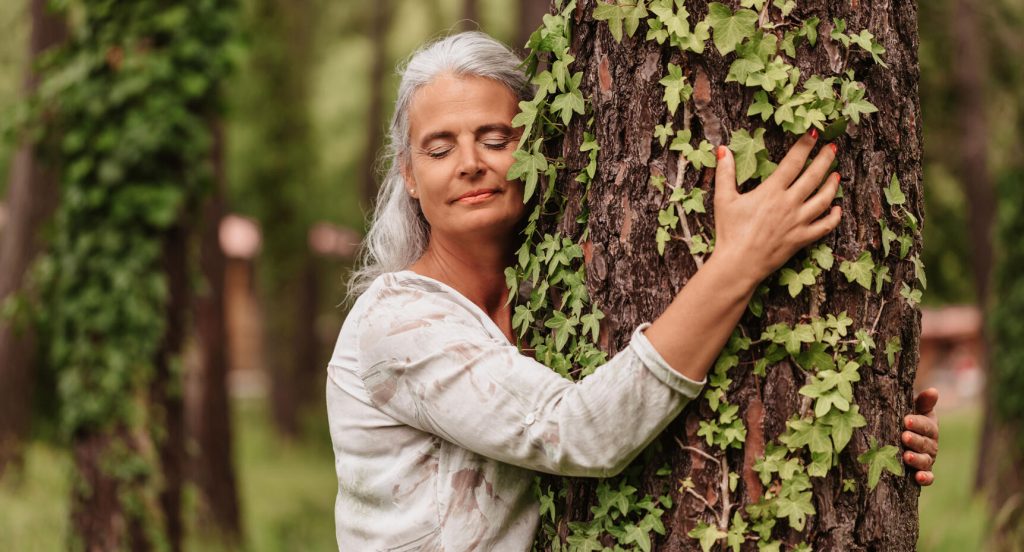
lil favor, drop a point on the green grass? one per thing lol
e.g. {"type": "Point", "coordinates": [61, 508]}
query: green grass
{"type": "Point", "coordinates": [952, 518]}
{"type": "Point", "coordinates": [287, 491]}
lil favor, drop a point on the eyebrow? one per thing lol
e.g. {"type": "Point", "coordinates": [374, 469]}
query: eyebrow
{"type": "Point", "coordinates": [481, 130]}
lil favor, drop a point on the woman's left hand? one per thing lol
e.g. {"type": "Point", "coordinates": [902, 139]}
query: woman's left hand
{"type": "Point", "coordinates": [922, 436]}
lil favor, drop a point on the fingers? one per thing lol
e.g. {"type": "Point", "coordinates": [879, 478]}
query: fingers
{"type": "Point", "coordinates": [924, 478]}
{"type": "Point", "coordinates": [725, 174]}
{"type": "Point", "coordinates": [922, 462]}
{"type": "Point", "coordinates": [922, 425]}
{"type": "Point", "coordinates": [791, 165]}
{"type": "Point", "coordinates": [817, 229]}
{"type": "Point", "coordinates": [925, 401]}
{"type": "Point", "coordinates": [812, 177]}
{"type": "Point", "coordinates": [816, 205]}
{"type": "Point", "coordinates": [920, 444]}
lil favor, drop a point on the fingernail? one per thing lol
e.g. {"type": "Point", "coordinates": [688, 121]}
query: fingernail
{"type": "Point", "coordinates": [909, 422]}
{"type": "Point", "coordinates": [838, 177]}
{"type": "Point", "coordinates": [814, 133]}
{"type": "Point", "coordinates": [906, 437]}
{"type": "Point", "coordinates": [721, 152]}
{"type": "Point", "coordinates": [909, 456]}
{"type": "Point", "coordinates": [835, 148]}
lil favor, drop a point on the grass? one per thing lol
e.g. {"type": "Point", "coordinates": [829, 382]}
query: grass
{"type": "Point", "coordinates": [287, 491]}
{"type": "Point", "coordinates": [952, 519]}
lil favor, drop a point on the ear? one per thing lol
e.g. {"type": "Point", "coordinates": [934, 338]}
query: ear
{"type": "Point", "coordinates": [406, 170]}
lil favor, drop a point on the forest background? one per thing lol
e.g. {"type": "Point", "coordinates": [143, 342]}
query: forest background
{"type": "Point", "coordinates": [305, 106]}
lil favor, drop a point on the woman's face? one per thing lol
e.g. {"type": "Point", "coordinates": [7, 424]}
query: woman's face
{"type": "Point", "coordinates": [461, 146]}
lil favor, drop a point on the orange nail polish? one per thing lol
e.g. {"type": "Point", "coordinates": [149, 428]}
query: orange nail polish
{"type": "Point", "coordinates": [835, 148]}
{"type": "Point", "coordinates": [721, 152]}
{"type": "Point", "coordinates": [814, 133]}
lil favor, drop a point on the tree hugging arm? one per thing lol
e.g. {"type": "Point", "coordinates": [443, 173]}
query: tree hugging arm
{"type": "Point", "coordinates": [756, 232]}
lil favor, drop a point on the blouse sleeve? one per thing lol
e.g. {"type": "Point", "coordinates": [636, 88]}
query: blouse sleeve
{"type": "Point", "coordinates": [427, 361]}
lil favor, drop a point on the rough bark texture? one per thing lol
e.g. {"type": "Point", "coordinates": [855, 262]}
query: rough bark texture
{"type": "Point", "coordinates": [209, 418]}
{"type": "Point", "coordinates": [632, 284]}
{"type": "Point", "coordinates": [31, 198]}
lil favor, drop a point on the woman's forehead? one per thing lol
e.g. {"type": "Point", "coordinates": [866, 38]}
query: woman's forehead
{"type": "Point", "coordinates": [460, 101]}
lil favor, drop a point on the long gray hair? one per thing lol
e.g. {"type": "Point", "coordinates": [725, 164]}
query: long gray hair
{"type": "Point", "coordinates": [398, 232]}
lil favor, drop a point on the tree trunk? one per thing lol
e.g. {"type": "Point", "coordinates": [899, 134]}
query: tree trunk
{"type": "Point", "coordinates": [380, 19]}
{"type": "Point", "coordinates": [631, 283]}
{"type": "Point", "coordinates": [167, 399]}
{"type": "Point", "coordinates": [470, 15]}
{"type": "Point", "coordinates": [31, 198]}
{"type": "Point", "coordinates": [209, 418]}
{"type": "Point", "coordinates": [531, 13]}
{"type": "Point", "coordinates": [279, 179]}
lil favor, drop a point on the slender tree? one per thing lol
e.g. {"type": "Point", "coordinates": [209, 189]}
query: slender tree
{"type": "Point", "coordinates": [380, 18]}
{"type": "Point", "coordinates": [31, 198]}
{"type": "Point", "coordinates": [277, 181]}
{"type": "Point", "coordinates": [209, 414]}
{"type": "Point", "coordinates": [792, 442]}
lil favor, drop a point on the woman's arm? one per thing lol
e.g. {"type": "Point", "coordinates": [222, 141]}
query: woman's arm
{"type": "Point", "coordinates": [755, 233]}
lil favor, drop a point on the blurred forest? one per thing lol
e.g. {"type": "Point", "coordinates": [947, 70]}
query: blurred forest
{"type": "Point", "coordinates": [288, 112]}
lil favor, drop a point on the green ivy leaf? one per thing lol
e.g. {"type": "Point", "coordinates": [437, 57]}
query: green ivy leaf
{"type": "Point", "coordinates": [729, 29]}
{"type": "Point", "coordinates": [880, 458]}
{"type": "Point", "coordinates": [822, 256]}
{"type": "Point", "coordinates": [859, 271]}
{"type": "Point", "coordinates": [843, 424]}
{"type": "Point", "coordinates": [761, 106]}
{"type": "Point", "coordinates": [913, 296]}
{"type": "Point", "coordinates": [707, 535]}
{"type": "Point", "coordinates": [527, 166]}
{"type": "Point", "coordinates": [745, 148]}
{"type": "Point", "coordinates": [796, 509]}
{"type": "Point", "coordinates": [796, 280]}
{"type": "Point", "coordinates": [676, 88]}
{"type": "Point", "coordinates": [893, 194]}
{"type": "Point", "coordinates": [892, 346]}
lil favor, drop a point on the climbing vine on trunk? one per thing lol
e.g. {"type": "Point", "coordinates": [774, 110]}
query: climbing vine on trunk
{"type": "Point", "coordinates": [754, 474]}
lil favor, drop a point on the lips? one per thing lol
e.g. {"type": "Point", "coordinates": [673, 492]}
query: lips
{"type": "Point", "coordinates": [476, 196]}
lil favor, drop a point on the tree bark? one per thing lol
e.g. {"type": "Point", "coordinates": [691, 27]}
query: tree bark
{"type": "Point", "coordinates": [380, 20]}
{"type": "Point", "coordinates": [209, 419]}
{"type": "Point", "coordinates": [166, 396]}
{"type": "Point", "coordinates": [631, 283]}
{"type": "Point", "coordinates": [531, 13]}
{"type": "Point", "coordinates": [31, 199]}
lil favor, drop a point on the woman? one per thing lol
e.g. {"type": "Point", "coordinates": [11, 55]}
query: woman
{"type": "Point", "coordinates": [438, 421]}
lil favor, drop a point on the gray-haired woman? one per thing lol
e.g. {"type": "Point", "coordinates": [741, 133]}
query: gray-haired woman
{"type": "Point", "coordinates": [438, 421]}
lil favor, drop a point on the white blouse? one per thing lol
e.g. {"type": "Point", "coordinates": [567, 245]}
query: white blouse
{"type": "Point", "coordinates": [439, 423]}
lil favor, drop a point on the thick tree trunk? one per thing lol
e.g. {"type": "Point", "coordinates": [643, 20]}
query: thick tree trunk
{"type": "Point", "coordinates": [631, 283]}
{"type": "Point", "coordinates": [31, 198]}
{"type": "Point", "coordinates": [209, 418]}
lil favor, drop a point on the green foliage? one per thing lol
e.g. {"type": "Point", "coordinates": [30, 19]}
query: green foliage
{"type": "Point", "coordinates": [130, 97]}
{"type": "Point", "coordinates": [880, 458]}
{"type": "Point", "coordinates": [1005, 323]}
{"type": "Point", "coordinates": [555, 318]}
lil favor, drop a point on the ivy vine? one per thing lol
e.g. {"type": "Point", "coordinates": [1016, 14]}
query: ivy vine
{"type": "Point", "coordinates": [128, 102]}
{"type": "Point", "coordinates": [561, 326]}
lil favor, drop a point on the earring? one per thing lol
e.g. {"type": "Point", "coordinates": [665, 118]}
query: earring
{"type": "Point", "coordinates": [412, 192]}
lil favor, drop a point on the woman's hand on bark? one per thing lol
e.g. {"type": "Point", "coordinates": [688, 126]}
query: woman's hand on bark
{"type": "Point", "coordinates": [922, 436]}
{"type": "Point", "coordinates": [765, 227]}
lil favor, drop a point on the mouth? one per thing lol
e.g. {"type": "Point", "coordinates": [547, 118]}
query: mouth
{"type": "Point", "coordinates": [477, 196]}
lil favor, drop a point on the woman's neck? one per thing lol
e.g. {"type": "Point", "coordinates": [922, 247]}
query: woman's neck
{"type": "Point", "coordinates": [476, 271]}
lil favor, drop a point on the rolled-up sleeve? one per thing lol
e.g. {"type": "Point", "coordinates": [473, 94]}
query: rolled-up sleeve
{"type": "Point", "coordinates": [427, 361]}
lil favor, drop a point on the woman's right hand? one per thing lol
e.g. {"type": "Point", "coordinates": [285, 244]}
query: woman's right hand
{"type": "Point", "coordinates": [762, 229]}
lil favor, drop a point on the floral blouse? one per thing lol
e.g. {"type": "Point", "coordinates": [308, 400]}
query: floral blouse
{"type": "Point", "coordinates": [439, 423]}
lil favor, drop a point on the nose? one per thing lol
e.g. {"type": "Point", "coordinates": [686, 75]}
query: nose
{"type": "Point", "coordinates": [470, 163]}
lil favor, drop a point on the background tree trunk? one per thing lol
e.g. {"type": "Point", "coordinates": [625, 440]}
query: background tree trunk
{"type": "Point", "coordinates": [380, 19]}
{"type": "Point", "coordinates": [209, 415]}
{"type": "Point", "coordinates": [631, 283]}
{"type": "Point", "coordinates": [531, 13]}
{"type": "Point", "coordinates": [280, 177]}
{"type": "Point", "coordinates": [31, 198]}
{"type": "Point", "coordinates": [470, 15]}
